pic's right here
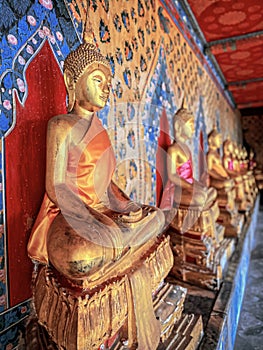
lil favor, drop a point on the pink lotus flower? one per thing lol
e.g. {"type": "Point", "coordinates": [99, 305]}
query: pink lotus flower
{"type": "Point", "coordinates": [41, 34]}
{"type": "Point", "coordinates": [21, 60]}
{"type": "Point", "coordinates": [21, 85]}
{"type": "Point", "coordinates": [7, 104]}
{"type": "Point", "coordinates": [52, 39]}
{"type": "Point", "coordinates": [47, 4]}
{"type": "Point", "coordinates": [31, 20]}
{"type": "Point", "coordinates": [59, 36]}
{"type": "Point", "coordinates": [2, 303]}
{"type": "Point", "coordinates": [46, 30]}
{"type": "Point", "coordinates": [12, 39]}
{"type": "Point", "coordinates": [29, 49]}
{"type": "Point", "coordinates": [23, 309]}
{"type": "Point", "coordinates": [2, 275]}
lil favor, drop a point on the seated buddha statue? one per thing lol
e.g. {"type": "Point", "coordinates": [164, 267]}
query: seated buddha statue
{"type": "Point", "coordinates": [184, 188]}
{"type": "Point", "coordinates": [236, 168]}
{"type": "Point", "coordinates": [229, 157]}
{"type": "Point", "coordinates": [252, 162]}
{"type": "Point", "coordinates": [225, 185]}
{"type": "Point", "coordinates": [253, 166]}
{"type": "Point", "coordinates": [196, 239]}
{"type": "Point", "coordinates": [219, 178]}
{"type": "Point", "coordinates": [248, 174]}
{"type": "Point", "coordinates": [94, 240]}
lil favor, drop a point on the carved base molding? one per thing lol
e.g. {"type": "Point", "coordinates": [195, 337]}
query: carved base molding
{"type": "Point", "coordinates": [208, 262]}
{"type": "Point", "coordinates": [201, 252]}
{"type": "Point", "coordinates": [232, 221]}
{"type": "Point", "coordinates": [79, 319]}
{"type": "Point", "coordinates": [186, 335]}
{"type": "Point", "coordinates": [168, 306]}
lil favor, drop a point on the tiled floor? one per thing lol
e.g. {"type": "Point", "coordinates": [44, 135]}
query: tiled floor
{"type": "Point", "coordinates": [250, 328]}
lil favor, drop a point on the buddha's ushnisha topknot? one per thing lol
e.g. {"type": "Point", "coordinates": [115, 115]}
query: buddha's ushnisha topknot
{"type": "Point", "coordinates": [78, 60]}
{"type": "Point", "coordinates": [85, 55]}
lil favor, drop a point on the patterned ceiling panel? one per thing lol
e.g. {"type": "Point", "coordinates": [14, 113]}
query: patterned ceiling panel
{"type": "Point", "coordinates": [225, 18]}
{"type": "Point", "coordinates": [243, 61]}
{"type": "Point", "coordinates": [233, 36]}
{"type": "Point", "coordinates": [249, 94]}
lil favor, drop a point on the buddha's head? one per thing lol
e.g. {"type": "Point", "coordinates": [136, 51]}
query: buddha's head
{"type": "Point", "coordinates": [244, 153]}
{"type": "Point", "coordinates": [235, 150]}
{"type": "Point", "coordinates": [228, 147]}
{"type": "Point", "coordinates": [87, 76]}
{"type": "Point", "coordinates": [251, 154]}
{"type": "Point", "coordinates": [214, 138]}
{"type": "Point", "coordinates": [183, 123]}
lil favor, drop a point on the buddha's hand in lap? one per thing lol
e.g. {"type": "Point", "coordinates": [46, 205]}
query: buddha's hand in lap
{"type": "Point", "coordinates": [200, 191]}
{"type": "Point", "coordinates": [91, 223]}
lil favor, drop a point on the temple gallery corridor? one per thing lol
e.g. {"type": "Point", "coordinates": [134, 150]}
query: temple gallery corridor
{"type": "Point", "coordinates": [250, 328]}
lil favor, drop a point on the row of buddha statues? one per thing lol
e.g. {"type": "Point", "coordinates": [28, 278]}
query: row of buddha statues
{"type": "Point", "coordinates": [101, 259]}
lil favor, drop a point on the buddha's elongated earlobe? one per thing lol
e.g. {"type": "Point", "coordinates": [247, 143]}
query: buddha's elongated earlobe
{"type": "Point", "coordinates": [70, 86]}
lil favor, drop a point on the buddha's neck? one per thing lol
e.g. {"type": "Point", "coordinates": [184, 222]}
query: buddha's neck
{"type": "Point", "coordinates": [213, 147]}
{"type": "Point", "coordinates": [179, 137]}
{"type": "Point", "coordinates": [82, 112]}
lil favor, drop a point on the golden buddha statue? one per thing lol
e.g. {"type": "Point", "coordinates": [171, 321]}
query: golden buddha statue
{"type": "Point", "coordinates": [102, 255]}
{"type": "Point", "coordinates": [196, 239]}
{"type": "Point", "coordinates": [226, 192]}
{"type": "Point", "coordinates": [248, 175]}
{"type": "Point", "coordinates": [258, 174]}
{"type": "Point", "coordinates": [219, 178]}
{"type": "Point", "coordinates": [236, 168]}
{"type": "Point", "coordinates": [180, 169]}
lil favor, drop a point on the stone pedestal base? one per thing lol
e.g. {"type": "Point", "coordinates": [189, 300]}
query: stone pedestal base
{"type": "Point", "coordinates": [206, 276]}
{"type": "Point", "coordinates": [201, 252]}
{"type": "Point", "coordinates": [232, 221]}
{"type": "Point", "coordinates": [79, 319]}
{"type": "Point", "coordinates": [186, 335]}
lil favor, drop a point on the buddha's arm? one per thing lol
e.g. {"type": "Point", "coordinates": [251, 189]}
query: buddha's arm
{"type": "Point", "coordinates": [57, 140]}
{"type": "Point", "coordinates": [236, 166]}
{"type": "Point", "coordinates": [119, 201]}
{"type": "Point", "coordinates": [215, 169]}
{"type": "Point", "coordinates": [226, 166]}
{"type": "Point", "coordinates": [225, 162]}
{"type": "Point", "coordinates": [172, 165]}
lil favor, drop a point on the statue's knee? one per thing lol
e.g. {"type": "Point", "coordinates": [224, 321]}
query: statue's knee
{"type": "Point", "coordinates": [73, 255]}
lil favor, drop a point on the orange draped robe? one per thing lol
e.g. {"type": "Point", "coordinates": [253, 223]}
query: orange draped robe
{"type": "Point", "coordinates": [90, 166]}
{"type": "Point", "coordinates": [185, 171]}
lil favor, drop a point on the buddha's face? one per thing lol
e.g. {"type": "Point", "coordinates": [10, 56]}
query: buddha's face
{"type": "Point", "coordinates": [93, 88]}
{"type": "Point", "coordinates": [218, 140]}
{"type": "Point", "coordinates": [226, 148]}
{"type": "Point", "coordinates": [188, 127]}
{"type": "Point", "coordinates": [231, 147]}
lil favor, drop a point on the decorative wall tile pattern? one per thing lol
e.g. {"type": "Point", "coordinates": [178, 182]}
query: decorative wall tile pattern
{"type": "Point", "coordinates": [24, 29]}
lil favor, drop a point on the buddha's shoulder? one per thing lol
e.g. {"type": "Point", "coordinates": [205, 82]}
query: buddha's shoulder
{"type": "Point", "coordinates": [176, 147]}
{"type": "Point", "coordinates": [63, 121]}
